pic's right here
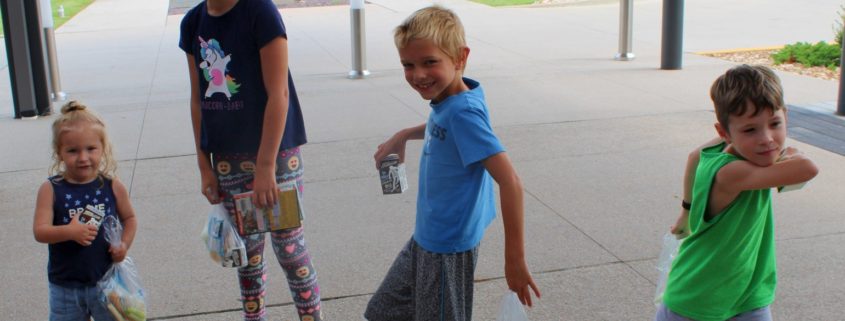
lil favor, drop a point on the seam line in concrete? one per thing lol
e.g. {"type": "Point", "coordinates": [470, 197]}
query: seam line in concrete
{"type": "Point", "coordinates": [146, 109]}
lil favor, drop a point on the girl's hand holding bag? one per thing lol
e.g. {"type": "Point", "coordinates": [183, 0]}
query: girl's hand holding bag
{"type": "Point", "coordinates": [120, 289]}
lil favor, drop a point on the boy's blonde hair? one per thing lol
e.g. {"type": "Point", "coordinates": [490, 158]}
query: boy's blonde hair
{"type": "Point", "coordinates": [743, 85]}
{"type": "Point", "coordinates": [437, 24]}
{"type": "Point", "coordinates": [76, 114]}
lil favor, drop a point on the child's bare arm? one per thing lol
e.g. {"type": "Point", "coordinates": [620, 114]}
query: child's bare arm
{"type": "Point", "coordinates": [208, 181]}
{"type": "Point", "coordinates": [46, 232]}
{"type": "Point", "coordinates": [510, 188]}
{"type": "Point", "coordinates": [740, 176]}
{"type": "Point", "coordinates": [396, 143]}
{"type": "Point", "coordinates": [127, 219]}
{"type": "Point", "coordinates": [681, 226]}
{"type": "Point", "coordinates": [274, 69]}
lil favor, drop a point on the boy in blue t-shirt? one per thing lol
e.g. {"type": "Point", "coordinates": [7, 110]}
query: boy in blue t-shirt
{"type": "Point", "coordinates": [432, 277]}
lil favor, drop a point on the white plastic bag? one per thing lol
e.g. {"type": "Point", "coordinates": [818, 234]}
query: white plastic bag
{"type": "Point", "coordinates": [221, 238]}
{"type": "Point", "coordinates": [664, 264]}
{"type": "Point", "coordinates": [121, 291]}
{"type": "Point", "coordinates": [511, 309]}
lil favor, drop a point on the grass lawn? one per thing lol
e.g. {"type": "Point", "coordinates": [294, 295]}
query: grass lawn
{"type": "Point", "coordinates": [499, 3]}
{"type": "Point", "coordinates": [72, 7]}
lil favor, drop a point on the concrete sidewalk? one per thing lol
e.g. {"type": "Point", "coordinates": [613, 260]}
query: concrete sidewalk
{"type": "Point", "coordinates": [599, 144]}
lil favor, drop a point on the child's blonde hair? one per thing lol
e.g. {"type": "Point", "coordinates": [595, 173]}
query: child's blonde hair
{"type": "Point", "coordinates": [437, 24]}
{"type": "Point", "coordinates": [743, 85]}
{"type": "Point", "coordinates": [75, 114]}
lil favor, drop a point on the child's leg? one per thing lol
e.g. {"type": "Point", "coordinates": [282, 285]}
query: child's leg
{"type": "Point", "coordinates": [290, 249]}
{"type": "Point", "coordinates": [74, 304]}
{"type": "Point", "coordinates": [234, 177]}
{"type": "Point", "coordinates": [252, 279]}
{"type": "Point", "coordinates": [67, 304]}
{"type": "Point", "coordinates": [95, 306]}
{"type": "Point", "coordinates": [444, 287]}
{"type": "Point", "coordinates": [394, 299]}
{"type": "Point", "coordinates": [425, 286]}
{"type": "Point", "coordinates": [293, 256]}
{"type": "Point", "coordinates": [761, 314]}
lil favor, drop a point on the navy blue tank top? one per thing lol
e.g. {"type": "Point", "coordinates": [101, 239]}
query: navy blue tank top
{"type": "Point", "coordinates": [71, 264]}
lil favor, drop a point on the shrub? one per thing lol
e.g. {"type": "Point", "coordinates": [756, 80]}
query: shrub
{"type": "Point", "coordinates": [820, 54]}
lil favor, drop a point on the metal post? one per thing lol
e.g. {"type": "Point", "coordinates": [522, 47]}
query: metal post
{"type": "Point", "coordinates": [50, 45]}
{"type": "Point", "coordinates": [20, 63]}
{"type": "Point", "coordinates": [626, 21]}
{"type": "Point", "coordinates": [359, 52]}
{"type": "Point", "coordinates": [36, 53]}
{"type": "Point", "coordinates": [673, 34]}
{"type": "Point", "coordinates": [840, 106]}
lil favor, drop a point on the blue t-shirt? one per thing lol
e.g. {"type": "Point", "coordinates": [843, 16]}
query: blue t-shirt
{"type": "Point", "coordinates": [232, 93]}
{"type": "Point", "coordinates": [71, 264]}
{"type": "Point", "coordinates": [455, 202]}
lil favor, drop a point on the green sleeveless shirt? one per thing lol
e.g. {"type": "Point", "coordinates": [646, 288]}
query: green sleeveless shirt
{"type": "Point", "coordinates": [726, 266]}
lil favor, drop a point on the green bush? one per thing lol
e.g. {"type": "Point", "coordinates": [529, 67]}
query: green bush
{"type": "Point", "coordinates": [820, 54]}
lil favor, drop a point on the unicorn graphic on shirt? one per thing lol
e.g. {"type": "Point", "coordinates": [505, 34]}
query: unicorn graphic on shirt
{"type": "Point", "coordinates": [214, 69]}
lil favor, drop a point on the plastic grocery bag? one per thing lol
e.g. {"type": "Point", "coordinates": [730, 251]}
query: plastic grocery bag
{"type": "Point", "coordinates": [511, 309]}
{"type": "Point", "coordinates": [120, 289]}
{"type": "Point", "coordinates": [221, 238]}
{"type": "Point", "coordinates": [664, 264]}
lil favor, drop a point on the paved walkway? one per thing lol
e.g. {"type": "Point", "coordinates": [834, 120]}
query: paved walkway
{"type": "Point", "coordinates": [599, 144]}
{"type": "Point", "coordinates": [817, 126]}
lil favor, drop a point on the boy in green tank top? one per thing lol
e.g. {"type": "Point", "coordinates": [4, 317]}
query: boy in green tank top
{"type": "Point", "coordinates": [725, 267]}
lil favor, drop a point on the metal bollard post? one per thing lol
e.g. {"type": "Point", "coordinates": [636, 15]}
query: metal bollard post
{"type": "Point", "coordinates": [626, 21]}
{"type": "Point", "coordinates": [671, 44]}
{"type": "Point", "coordinates": [359, 52]}
{"type": "Point", "coordinates": [840, 105]}
{"type": "Point", "coordinates": [50, 46]}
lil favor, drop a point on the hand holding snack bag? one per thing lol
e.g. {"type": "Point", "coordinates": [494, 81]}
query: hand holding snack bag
{"type": "Point", "coordinates": [120, 289]}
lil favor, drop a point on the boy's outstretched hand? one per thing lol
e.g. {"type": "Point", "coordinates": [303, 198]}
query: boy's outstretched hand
{"type": "Point", "coordinates": [520, 281]}
{"type": "Point", "coordinates": [394, 145]}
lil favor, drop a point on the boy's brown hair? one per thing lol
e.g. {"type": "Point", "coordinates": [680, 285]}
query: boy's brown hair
{"type": "Point", "coordinates": [437, 24]}
{"type": "Point", "coordinates": [743, 86]}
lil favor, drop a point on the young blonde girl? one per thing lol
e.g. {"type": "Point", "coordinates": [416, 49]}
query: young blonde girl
{"type": "Point", "coordinates": [82, 178]}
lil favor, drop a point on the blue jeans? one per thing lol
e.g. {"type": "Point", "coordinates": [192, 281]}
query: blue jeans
{"type": "Point", "coordinates": [76, 304]}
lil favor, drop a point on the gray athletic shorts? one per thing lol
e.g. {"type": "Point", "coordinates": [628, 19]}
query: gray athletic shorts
{"type": "Point", "coordinates": [425, 286]}
{"type": "Point", "coordinates": [761, 314]}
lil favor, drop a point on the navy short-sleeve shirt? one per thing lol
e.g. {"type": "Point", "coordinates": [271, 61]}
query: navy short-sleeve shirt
{"type": "Point", "coordinates": [228, 64]}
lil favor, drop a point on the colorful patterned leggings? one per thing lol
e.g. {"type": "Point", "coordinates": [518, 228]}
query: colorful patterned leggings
{"type": "Point", "coordinates": [235, 175]}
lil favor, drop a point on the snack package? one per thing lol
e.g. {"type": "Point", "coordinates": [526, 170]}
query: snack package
{"type": "Point", "coordinates": [224, 244]}
{"type": "Point", "coordinates": [92, 216]}
{"type": "Point", "coordinates": [120, 289]}
{"type": "Point", "coordinates": [286, 213]}
{"type": "Point", "coordinates": [394, 180]}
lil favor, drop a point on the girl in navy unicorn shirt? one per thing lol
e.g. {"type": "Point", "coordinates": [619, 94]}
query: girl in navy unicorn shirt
{"type": "Point", "coordinates": [248, 127]}
{"type": "Point", "coordinates": [81, 192]}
